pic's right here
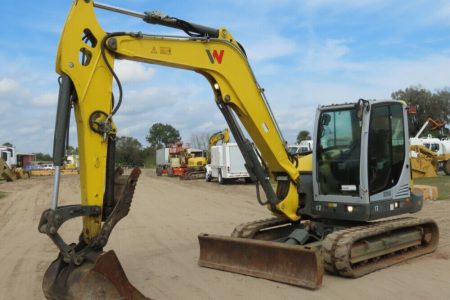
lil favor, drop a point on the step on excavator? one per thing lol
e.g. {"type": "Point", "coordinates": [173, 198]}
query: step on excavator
{"type": "Point", "coordinates": [326, 206]}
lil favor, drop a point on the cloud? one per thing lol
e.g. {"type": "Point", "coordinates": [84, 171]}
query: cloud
{"type": "Point", "coordinates": [130, 71]}
{"type": "Point", "coordinates": [430, 71]}
{"type": "Point", "coordinates": [311, 4]}
{"type": "Point", "coordinates": [328, 55]}
{"type": "Point", "coordinates": [132, 129]}
{"type": "Point", "coordinates": [45, 100]}
{"type": "Point", "coordinates": [182, 104]}
{"type": "Point", "coordinates": [270, 47]}
{"type": "Point", "coordinates": [29, 130]}
{"type": "Point", "coordinates": [31, 120]}
{"type": "Point", "coordinates": [8, 85]}
{"type": "Point", "coordinates": [139, 101]}
{"type": "Point", "coordinates": [344, 4]}
{"type": "Point", "coordinates": [442, 13]}
{"type": "Point", "coordinates": [295, 97]}
{"type": "Point", "coordinates": [287, 14]}
{"type": "Point", "coordinates": [30, 133]}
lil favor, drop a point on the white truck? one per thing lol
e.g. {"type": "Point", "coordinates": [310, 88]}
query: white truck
{"type": "Point", "coordinates": [162, 161]}
{"type": "Point", "coordinates": [304, 147]}
{"type": "Point", "coordinates": [8, 154]}
{"type": "Point", "coordinates": [227, 163]}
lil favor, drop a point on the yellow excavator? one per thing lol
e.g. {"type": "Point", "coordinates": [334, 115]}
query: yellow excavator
{"type": "Point", "coordinates": [219, 136]}
{"type": "Point", "coordinates": [325, 206]}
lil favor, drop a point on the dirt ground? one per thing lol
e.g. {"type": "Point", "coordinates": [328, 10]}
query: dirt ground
{"type": "Point", "coordinates": [158, 248]}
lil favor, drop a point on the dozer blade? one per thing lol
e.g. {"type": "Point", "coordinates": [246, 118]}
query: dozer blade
{"type": "Point", "coordinates": [101, 276]}
{"type": "Point", "coordinates": [292, 264]}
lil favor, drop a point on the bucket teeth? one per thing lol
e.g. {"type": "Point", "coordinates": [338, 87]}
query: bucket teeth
{"type": "Point", "coordinates": [100, 277]}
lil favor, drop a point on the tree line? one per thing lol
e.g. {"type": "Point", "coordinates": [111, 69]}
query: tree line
{"type": "Point", "coordinates": [435, 105]}
{"type": "Point", "coordinates": [130, 152]}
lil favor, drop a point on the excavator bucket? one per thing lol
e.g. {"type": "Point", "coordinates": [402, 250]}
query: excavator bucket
{"type": "Point", "coordinates": [292, 264]}
{"type": "Point", "coordinates": [101, 276]}
{"type": "Point", "coordinates": [92, 273]}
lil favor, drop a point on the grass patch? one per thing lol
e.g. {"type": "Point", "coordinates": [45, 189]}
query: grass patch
{"type": "Point", "coordinates": [442, 183]}
{"type": "Point", "coordinates": [2, 194]}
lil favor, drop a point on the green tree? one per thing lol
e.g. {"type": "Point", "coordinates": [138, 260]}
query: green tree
{"type": "Point", "coordinates": [443, 97]}
{"type": "Point", "coordinates": [148, 155]}
{"type": "Point", "coordinates": [72, 150]}
{"type": "Point", "coordinates": [43, 157]}
{"type": "Point", "coordinates": [428, 104]}
{"type": "Point", "coordinates": [161, 135]}
{"type": "Point", "coordinates": [303, 135]}
{"type": "Point", "coordinates": [8, 144]}
{"type": "Point", "coordinates": [128, 151]}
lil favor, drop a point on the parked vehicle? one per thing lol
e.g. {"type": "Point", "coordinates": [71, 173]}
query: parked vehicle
{"type": "Point", "coordinates": [302, 148]}
{"type": "Point", "coordinates": [181, 160]}
{"type": "Point", "coordinates": [438, 158]}
{"type": "Point", "coordinates": [162, 161]}
{"type": "Point", "coordinates": [48, 167]}
{"type": "Point", "coordinates": [227, 163]}
{"type": "Point", "coordinates": [441, 147]}
{"type": "Point", "coordinates": [10, 165]}
{"type": "Point", "coordinates": [8, 154]}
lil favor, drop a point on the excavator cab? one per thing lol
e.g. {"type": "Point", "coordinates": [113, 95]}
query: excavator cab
{"type": "Point", "coordinates": [362, 162]}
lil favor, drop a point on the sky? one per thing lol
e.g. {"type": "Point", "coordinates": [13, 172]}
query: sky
{"type": "Point", "coordinates": [303, 53]}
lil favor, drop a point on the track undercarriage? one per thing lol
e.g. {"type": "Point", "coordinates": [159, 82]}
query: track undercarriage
{"type": "Point", "coordinates": [305, 249]}
{"type": "Point", "coordinates": [192, 174]}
